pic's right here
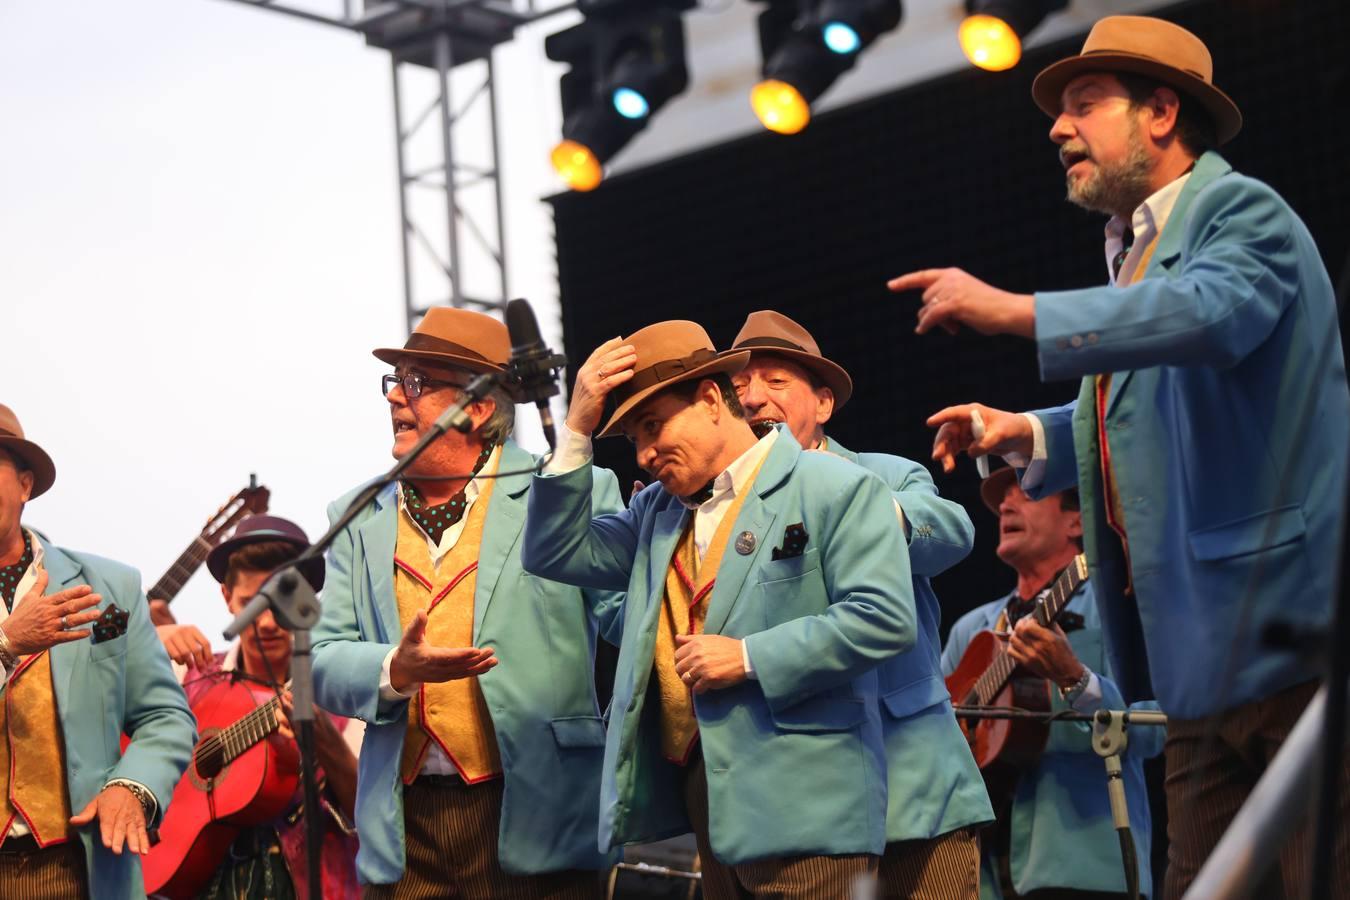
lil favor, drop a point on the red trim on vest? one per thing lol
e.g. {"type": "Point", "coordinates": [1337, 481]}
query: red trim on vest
{"type": "Point", "coordinates": [451, 586]}
{"type": "Point", "coordinates": [421, 760]}
{"type": "Point", "coordinates": [32, 829]}
{"type": "Point", "coordinates": [412, 573]}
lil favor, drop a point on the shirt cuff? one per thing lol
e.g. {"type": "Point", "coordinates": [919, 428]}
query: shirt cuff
{"type": "Point", "coordinates": [574, 451]}
{"type": "Point", "coordinates": [388, 693]}
{"type": "Point", "coordinates": [1034, 468]}
{"type": "Point", "coordinates": [900, 514]}
{"type": "Point", "coordinates": [152, 813]}
{"type": "Point", "coordinates": [1091, 699]}
{"type": "Point", "coordinates": [745, 658]}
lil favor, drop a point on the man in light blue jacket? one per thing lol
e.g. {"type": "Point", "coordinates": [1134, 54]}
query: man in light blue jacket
{"type": "Point", "coordinates": [936, 799]}
{"type": "Point", "coordinates": [1209, 438]}
{"type": "Point", "coordinates": [80, 666]}
{"type": "Point", "coordinates": [1055, 831]}
{"type": "Point", "coordinates": [474, 777]}
{"type": "Point", "coordinates": [764, 586]}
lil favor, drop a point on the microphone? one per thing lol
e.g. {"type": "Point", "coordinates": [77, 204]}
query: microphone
{"type": "Point", "coordinates": [533, 367]}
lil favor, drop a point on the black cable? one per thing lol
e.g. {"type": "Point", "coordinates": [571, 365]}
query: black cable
{"type": "Point", "coordinates": [1130, 859]}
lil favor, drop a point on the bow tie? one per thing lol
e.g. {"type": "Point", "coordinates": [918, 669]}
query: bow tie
{"type": "Point", "coordinates": [702, 495]}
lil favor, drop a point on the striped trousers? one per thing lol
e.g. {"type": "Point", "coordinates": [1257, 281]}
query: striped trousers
{"type": "Point", "coordinates": [56, 873]}
{"type": "Point", "coordinates": [782, 878]}
{"type": "Point", "coordinates": [1212, 765]}
{"type": "Point", "coordinates": [450, 838]}
{"type": "Point", "coordinates": [946, 867]}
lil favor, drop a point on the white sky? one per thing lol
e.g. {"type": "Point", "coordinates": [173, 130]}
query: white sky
{"type": "Point", "coordinates": [199, 243]}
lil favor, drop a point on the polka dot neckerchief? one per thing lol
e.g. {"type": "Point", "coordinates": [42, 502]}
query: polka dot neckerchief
{"type": "Point", "coordinates": [10, 576]}
{"type": "Point", "coordinates": [435, 519]}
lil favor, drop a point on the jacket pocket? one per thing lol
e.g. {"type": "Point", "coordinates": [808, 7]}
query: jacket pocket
{"type": "Point", "coordinates": [820, 715]}
{"type": "Point", "coordinates": [915, 697]}
{"type": "Point", "coordinates": [579, 731]}
{"type": "Point", "coordinates": [106, 649]}
{"type": "Point", "coordinates": [1248, 535]}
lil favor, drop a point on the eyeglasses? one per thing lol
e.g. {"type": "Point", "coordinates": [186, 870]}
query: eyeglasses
{"type": "Point", "coordinates": [412, 384]}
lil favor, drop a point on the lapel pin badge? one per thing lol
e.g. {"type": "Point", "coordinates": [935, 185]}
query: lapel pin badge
{"type": "Point", "coordinates": [745, 543]}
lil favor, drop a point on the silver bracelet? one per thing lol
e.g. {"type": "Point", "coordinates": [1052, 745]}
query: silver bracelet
{"type": "Point", "coordinates": [7, 656]}
{"type": "Point", "coordinates": [1075, 690]}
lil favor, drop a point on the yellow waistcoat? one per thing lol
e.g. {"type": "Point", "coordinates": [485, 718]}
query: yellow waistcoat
{"type": "Point", "coordinates": [34, 753]}
{"type": "Point", "coordinates": [451, 713]}
{"type": "Point", "coordinates": [689, 586]}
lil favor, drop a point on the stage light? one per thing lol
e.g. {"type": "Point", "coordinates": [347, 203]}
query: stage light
{"type": "Point", "coordinates": [840, 38]}
{"type": "Point", "coordinates": [806, 45]}
{"type": "Point", "coordinates": [992, 33]}
{"type": "Point", "coordinates": [779, 107]}
{"type": "Point", "coordinates": [626, 61]}
{"type": "Point", "coordinates": [630, 104]}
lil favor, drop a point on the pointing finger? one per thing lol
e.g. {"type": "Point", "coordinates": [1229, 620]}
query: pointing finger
{"type": "Point", "coordinates": [914, 280]}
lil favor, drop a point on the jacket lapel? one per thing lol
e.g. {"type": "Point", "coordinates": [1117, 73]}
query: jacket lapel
{"type": "Point", "coordinates": [378, 536]}
{"type": "Point", "coordinates": [838, 449]}
{"type": "Point", "coordinates": [670, 524]}
{"type": "Point", "coordinates": [756, 517]}
{"type": "Point", "coordinates": [64, 573]}
{"type": "Point", "coordinates": [501, 530]}
{"type": "Point", "coordinates": [1167, 252]}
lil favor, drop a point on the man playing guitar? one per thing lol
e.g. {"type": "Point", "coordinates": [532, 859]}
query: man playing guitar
{"type": "Point", "coordinates": [268, 860]}
{"type": "Point", "coordinates": [1054, 837]}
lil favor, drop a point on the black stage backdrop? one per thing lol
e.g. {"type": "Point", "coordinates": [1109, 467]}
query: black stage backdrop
{"type": "Point", "coordinates": [957, 171]}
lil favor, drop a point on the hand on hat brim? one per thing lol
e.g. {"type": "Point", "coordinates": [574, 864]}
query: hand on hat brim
{"type": "Point", "coordinates": [610, 365]}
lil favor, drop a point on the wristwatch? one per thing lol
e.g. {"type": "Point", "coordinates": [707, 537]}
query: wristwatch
{"type": "Point", "coordinates": [1075, 690]}
{"type": "Point", "coordinates": [149, 806]}
{"type": "Point", "coordinates": [8, 658]}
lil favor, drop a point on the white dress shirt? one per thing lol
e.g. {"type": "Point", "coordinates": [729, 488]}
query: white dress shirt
{"type": "Point", "coordinates": [436, 762]}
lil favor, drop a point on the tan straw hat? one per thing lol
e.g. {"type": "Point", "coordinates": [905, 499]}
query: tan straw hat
{"type": "Point", "coordinates": [1145, 46]}
{"type": "Point", "coordinates": [455, 337]}
{"type": "Point", "coordinates": [772, 332]}
{"type": "Point", "coordinates": [668, 353]}
{"type": "Point", "coordinates": [33, 456]}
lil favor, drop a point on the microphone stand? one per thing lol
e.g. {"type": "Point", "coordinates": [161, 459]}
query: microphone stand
{"type": "Point", "coordinates": [296, 608]}
{"type": "Point", "coordinates": [1109, 740]}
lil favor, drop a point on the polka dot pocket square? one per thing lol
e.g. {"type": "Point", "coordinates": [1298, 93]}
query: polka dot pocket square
{"type": "Point", "coordinates": [794, 542]}
{"type": "Point", "coordinates": [112, 624]}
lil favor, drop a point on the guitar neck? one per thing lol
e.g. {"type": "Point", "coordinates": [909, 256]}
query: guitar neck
{"type": "Point", "coordinates": [1065, 586]}
{"type": "Point", "coordinates": [220, 749]}
{"type": "Point", "coordinates": [188, 562]}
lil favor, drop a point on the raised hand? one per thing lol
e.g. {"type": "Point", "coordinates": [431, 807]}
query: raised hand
{"type": "Point", "coordinates": [417, 661]}
{"type": "Point", "coordinates": [953, 297]}
{"type": "Point", "coordinates": [1004, 433]}
{"type": "Point", "coordinates": [608, 367]}
{"type": "Point", "coordinates": [40, 622]}
{"type": "Point", "coordinates": [186, 645]}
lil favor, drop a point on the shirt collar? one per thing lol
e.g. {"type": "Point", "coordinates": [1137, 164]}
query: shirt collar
{"type": "Point", "coordinates": [36, 543]}
{"type": "Point", "coordinates": [1149, 218]}
{"type": "Point", "coordinates": [736, 477]}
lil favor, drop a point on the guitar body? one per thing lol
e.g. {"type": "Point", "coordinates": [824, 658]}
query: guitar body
{"type": "Point", "coordinates": [1002, 747]}
{"type": "Point", "coordinates": [206, 814]}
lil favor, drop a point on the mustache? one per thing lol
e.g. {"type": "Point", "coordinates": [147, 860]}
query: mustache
{"type": "Point", "coordinates": [1072, 149]}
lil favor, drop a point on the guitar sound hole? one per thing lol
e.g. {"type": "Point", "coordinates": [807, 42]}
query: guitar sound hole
{"type": "Point", "coordinates": [208, 759]}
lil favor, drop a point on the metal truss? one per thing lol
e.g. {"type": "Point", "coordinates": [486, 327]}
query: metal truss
{"type": "Point", "coordinates": [453, 228]}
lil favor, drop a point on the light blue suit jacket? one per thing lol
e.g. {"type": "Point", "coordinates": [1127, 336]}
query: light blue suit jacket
{"type": "Point", "coordinates": [103, 690]}
{"type": "Point", "coordinates": [1062, 831]}
{"type": "Point", "coordinates": [1229, 429]}
{"type": "Point", "coordinates": [541, 694]}
{"type": "Point", "coordinates": [933, 784]}
{"type": "Point", "coordinates": [795, 760]}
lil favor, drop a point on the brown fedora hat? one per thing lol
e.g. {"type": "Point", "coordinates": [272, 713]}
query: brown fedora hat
{"type": "Point", "coordinates": [33, 456]}
{"type": "Point", "coordinates": [668, 353]}
{"type": "Point", "coordinates": [1145, 46]}
{"type": "Point", "coordinates": [768, 331]}
{"type": "Point", "coordinates": [996, 485]}
{"type": "Point", "coordinates": [455, 337]}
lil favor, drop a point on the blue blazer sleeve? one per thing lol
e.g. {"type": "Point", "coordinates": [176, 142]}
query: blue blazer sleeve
{"type": "Point", "coordinates": [565, 540]}
{"type": "Point", "coordinates": [939, 531]}
{"type": "Point", "coordinates": [1240, 274]}
{"type": "Point", "coordinates": [871, 614]}
{"type": "Point", "coordinates": [347, 667]}
{"type": "Point", "coordinates": [1061, 460]}
{"type": "Point", "coordinates": [606, 606]}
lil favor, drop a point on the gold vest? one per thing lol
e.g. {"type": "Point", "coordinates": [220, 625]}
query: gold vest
{"type": "Point", "coordinates": [689, 587]}
{"type": "Point", "coordinates": [32, 734]}
{"type": "Point", "coordinates": [451, 713]}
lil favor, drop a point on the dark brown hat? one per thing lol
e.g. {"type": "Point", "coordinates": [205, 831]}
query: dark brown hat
{"type": "Point", "coordinates": [33, 456]}
{"type": "Point", "coordinates": [1145, 46]}
{"type": "Point", "coordinates": [767, 331]}
{"type": "Point", "coordinates": [668, 353]}
{"type": "Point", "coordinates": [455, 337]}
{"type": "Point", "coordinates": [995, 486]}
{"type": "Point", "coordinates": [261, 529]}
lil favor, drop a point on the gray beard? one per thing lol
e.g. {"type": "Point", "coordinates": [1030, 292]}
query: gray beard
{"type": "Point", "coordinates": [1117, 190]}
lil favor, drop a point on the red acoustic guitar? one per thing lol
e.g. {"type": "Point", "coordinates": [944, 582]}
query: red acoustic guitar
{"type": "Point", "coordinates": [988, 676]}
{"type": "Point", "coordinates": [235, 779]}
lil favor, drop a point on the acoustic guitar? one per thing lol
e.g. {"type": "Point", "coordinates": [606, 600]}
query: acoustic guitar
{"type": "Point", "coordinates": [252, 500]}
{"type": "Point", "coordinates": [988, 676]}
{"type": "Point", "coordinates": [235, 779]}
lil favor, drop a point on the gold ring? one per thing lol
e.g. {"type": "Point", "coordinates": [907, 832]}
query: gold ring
{"type": "Point", "coordinates": [603, 376]}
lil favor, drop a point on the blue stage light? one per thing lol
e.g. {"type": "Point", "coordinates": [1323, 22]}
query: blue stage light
{"type": "Point", "coordinates": [841, 38]}
{"type": "Point", "coordinates": [630, 104]}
